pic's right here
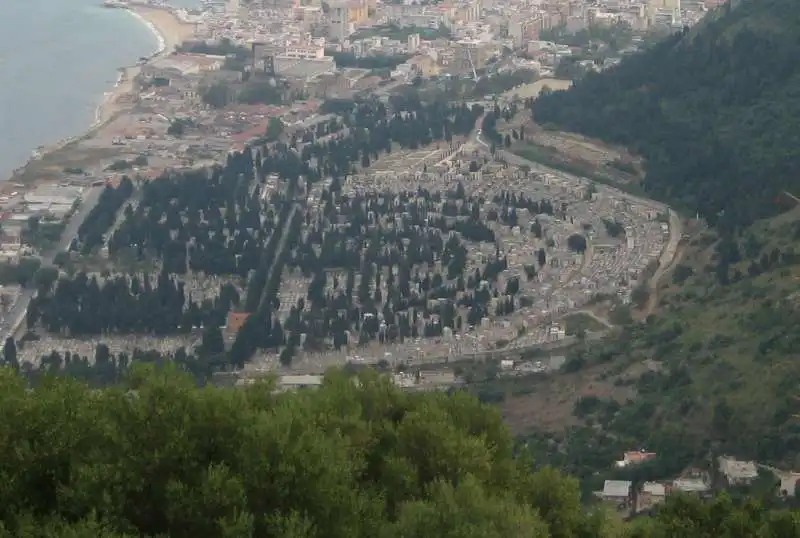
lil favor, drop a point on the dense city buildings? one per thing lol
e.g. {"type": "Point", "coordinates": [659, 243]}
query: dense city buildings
{"type": "Point", "coordinates": [240, 75]}
{"type": "Point", "coordinates": [502, 250]}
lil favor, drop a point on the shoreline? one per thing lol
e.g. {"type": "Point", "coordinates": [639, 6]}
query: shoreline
{"type": "Point", "coordinates": [159, 33]}
{"type": "Point", "coordinates": [169, 31]}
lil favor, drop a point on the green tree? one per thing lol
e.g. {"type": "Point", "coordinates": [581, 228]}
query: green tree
{"type": "Point", "coordinates": [176, 128]}
{"type": "Point", "coordinates": [26, 269]}
{"type": "Point", "coordinates": [33, 226]}
{"type": "Point", "coordinates": [10, 353]}
{"type": "Point", "coordinates": [61, 259]}
{"type": "Point", "coordinates": [466, 510]}
{"type": "Point", "coordinates": [640, 295]}
{"type": "Point", "coordinates": [45, 277]}
{"type": "Point", "coordinates": [159, 457]}
{"type": "Point", "coordinates": [217, 95]}
{"type": "Point", "coordinates": [260, 92]}
{"type": "Point", "coordinates": [213, 341]}
{"type": "Point", "coordinates": [274, 129]}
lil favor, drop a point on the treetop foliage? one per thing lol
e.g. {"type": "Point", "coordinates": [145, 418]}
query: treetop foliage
{"type": "Point", "coordinates": [158, 457]}
{"type": "Point", "coordinates": [711, 109]}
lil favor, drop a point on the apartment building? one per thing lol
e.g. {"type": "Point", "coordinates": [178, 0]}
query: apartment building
{"type": "Point", "coordinates": [413, 42]}
{"type": "Point", "coordinates": [339, 23]}
{"type": "Point", "coordinates": [303, 52]}
{"type": "Point", "coordinates": [358, 11]}
{"type": "Point", "coordinates": [469, 13]}
{"type": "Point", "coordinates": [308, 14]}
{"type": "Point", "coordinates": [471, 54]}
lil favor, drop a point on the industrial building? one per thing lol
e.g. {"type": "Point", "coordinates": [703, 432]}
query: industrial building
{"type": "Point", "coordinates": [52, 201]}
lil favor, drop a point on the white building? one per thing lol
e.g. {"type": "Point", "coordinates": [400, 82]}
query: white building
{"type": "Point", "coordinates": [413, 42]}
{"type": "Point", "coordinates": [516, 31]}
{"type": "Point", "coordinates": [304, 52]}
{"type": "Point", "coordinates": [289, 382]}
{"type": "Point", "coordinates": [737, 472]}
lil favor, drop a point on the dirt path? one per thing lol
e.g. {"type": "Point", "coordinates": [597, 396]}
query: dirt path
{"type": "Point", "coordinates": [668, 259]}
{"type": "Point", "coordinates": [591, 314]}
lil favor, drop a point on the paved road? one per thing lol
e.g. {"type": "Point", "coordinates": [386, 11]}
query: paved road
{"type": "Point", "coordinates": [482, 356]}
{"type": "Point", "coordinates": [284, 237]}
{"type": "Point", "coordinates": [15, 317]}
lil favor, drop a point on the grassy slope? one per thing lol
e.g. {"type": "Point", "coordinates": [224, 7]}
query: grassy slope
{"type": "Point", "coordinates": [718, 367]}
{"type": "Point", "coordinates": [734, 347]}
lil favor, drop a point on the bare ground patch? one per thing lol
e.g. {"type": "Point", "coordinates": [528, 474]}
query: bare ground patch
{"type": "Point", "coordinates": [619, 165]}
{"type": "Point", "coordinates": [589, 150]}
{"type": "Point", "coordinates": [550, 406]}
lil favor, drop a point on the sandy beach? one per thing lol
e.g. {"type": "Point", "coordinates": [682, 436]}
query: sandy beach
{"type": "Point", "coordinates": [170, 32]}
{"type": "Point", "coordinates": [167, 26]}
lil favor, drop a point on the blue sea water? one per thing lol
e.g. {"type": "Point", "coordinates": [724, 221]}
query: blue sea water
{"type": "Point", "coordinates": [57, 59]}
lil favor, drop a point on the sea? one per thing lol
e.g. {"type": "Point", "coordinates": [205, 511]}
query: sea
{"type": "Point", "coordinates": [58, 58]}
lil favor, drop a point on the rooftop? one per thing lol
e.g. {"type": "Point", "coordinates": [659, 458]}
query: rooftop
{"type": "Point", "coordinates": [655, 489]}
{"type": "Point", "coordinates": [299, 380]}
{"type": "Point", "coordinates": [617, 488]}
{"type": "Point", "coordinates": [738, 469]}
{"type": "Point", "coordinates": [690, 485]}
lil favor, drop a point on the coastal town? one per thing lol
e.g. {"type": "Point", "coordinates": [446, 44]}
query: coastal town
{"type": "Point", "coordinates": [234, 75]}
{"type": "Point", "coordinates": [270, 72]}
{"type": "Point", "coordinates": [302, 185]}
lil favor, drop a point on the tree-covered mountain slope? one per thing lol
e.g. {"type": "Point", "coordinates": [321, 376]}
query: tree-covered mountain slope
{"type": "Point", "coordinates": [715, 111]}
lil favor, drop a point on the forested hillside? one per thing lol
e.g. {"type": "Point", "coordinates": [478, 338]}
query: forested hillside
{"type": "Point", "coordinates": [716, 371]}
{"type": "Point", "coordinates": [162, 458]}
{"type": "Point", "coordinates": [713, 110]}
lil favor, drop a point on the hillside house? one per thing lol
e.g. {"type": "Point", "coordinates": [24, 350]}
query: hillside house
{"type": "Point", "coordinates": [618, 492]}
{"type": "Point", "coordinates": [790, 481]}
{"type": "Point", "coordinates": [696, 486]}
{"type": "Point", "coordinates": [235, 322]}
{"type": "Point", "coordinates": [635, 458]}
{"type": "Point", "coordinates": [737, 472]}
{"type": "Point", "coordinates": [650, 495]}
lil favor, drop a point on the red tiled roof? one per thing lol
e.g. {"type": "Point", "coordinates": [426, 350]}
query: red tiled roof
{"type": "Point", "coordinates": [236, 320]}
